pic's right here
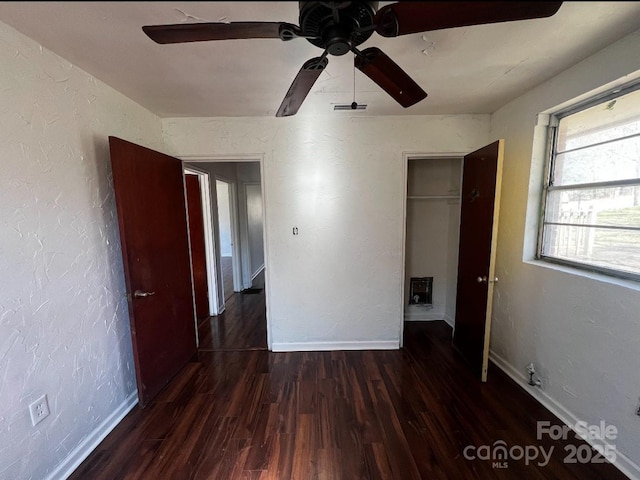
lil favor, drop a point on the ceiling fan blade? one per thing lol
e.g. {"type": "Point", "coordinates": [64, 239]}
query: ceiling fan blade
{"type": "Point", "coordinates": [301, 86]}
{"type": "Point", "coordinates": [389, 76]}
{"type": "Point", "coordinates": [200, 32]}
{"type": "Point", "coordinates": [403, 18]}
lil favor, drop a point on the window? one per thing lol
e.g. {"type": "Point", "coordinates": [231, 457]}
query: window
{"type": "Point", "coordinates": [591, 214]}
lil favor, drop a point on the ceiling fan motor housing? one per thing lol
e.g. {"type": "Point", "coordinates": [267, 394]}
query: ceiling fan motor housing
{"type": "Point", "coordinates": [317, 19]}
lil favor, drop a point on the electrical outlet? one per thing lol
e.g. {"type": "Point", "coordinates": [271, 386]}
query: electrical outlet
{"type": "Point", "coordinates": [39, 410]}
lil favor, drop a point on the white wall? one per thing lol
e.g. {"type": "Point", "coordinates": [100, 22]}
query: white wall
{"type": "Point", "coordinates": [64, 326]}
{"type": "Point", "coordinates": [582, 331]}
{"type": "Point", "coordinates": [339, 179]}
{"type": "Point", "coordinates": [248, 172]}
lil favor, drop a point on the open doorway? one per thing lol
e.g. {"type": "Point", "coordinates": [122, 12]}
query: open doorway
{"type": "Point", "coordinates": [234, 219]}
{"type": "Point", "coordinates": [431, 238]}
{"type": "Point", "coordinates": [237, 227]}
{"type": "Point", "coordinates": [460, 243]}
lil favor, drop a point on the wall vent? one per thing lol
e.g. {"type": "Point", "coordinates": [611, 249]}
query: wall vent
{"type": "Point", "coordinates": [421, 291]}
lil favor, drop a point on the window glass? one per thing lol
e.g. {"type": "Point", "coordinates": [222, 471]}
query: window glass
{"type": "Point", "coordinates": [592, 198]}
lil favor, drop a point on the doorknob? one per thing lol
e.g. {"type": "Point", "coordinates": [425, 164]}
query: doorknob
{"type": "Point", "coordinates": [141, 294]}
{"type": "Point", "coordinates": [484, 280]}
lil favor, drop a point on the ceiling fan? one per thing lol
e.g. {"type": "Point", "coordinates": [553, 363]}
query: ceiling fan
{"type": "Point", "coordinates": [340, 27]}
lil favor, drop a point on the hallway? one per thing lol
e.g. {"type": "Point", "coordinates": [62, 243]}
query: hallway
{"type": "Point", "coordinates": [242, 326]}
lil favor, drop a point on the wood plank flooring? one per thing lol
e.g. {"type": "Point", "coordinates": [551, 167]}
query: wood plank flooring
{"type": "Point", "coordinates": [399, 415]}
{"type": "Point", "coordinates": [242, 326]}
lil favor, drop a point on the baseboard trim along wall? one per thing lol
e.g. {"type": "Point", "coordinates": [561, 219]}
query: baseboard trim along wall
{"type": "Point", "coordinates": [327, 346]}
{"type": "Point", "coordinates": [423, 317]}
{"type": "Point", "coordinates": [623, 463]}
{"type": "Point", "coordinates": [257, 272]}
{"type": "Point", "coordinates": [450, 320]}
{"type": "Point", "coordinates": [89, 444]}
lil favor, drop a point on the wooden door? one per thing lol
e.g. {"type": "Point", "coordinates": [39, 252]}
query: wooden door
{"type": "Point", "coordinates": [152, 216]}
{"type": "Point", "coordinates": [476, 258]}
{"type": "Point", "coordinates": [196, 237]}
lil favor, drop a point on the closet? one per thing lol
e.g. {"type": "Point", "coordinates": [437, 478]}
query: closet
{"type": "Point", "coordinates": [432, 230]}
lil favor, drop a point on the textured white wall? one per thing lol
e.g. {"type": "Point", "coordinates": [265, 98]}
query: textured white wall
{"type": "Point", "coordinates": [582, 331]}
{"type": "Point", "coordinates": [64, 327]}
{"type": "Point", "coordinates": [339, 180]}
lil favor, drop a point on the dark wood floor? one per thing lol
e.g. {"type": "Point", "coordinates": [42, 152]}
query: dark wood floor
{"type": "Point", "coordinates": [242, 326]}
{"type": "Point", "coordinates": [398, 415]}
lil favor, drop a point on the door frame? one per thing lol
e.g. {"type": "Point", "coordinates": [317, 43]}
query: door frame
{"type": "Point", "coordinates": [251, 157]}
{"type": "Point", "coordinates": [406, 156]}
{"type": "Point", "coordinates": [209, 238]}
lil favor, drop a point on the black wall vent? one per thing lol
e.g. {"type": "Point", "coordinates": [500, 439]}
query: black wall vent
{"type": "Point", "coordinates": [421, 291]}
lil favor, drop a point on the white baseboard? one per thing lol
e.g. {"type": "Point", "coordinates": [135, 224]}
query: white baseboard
{"type": "Point", "coordinates": [89, 444]}
{"type": "Point", "coordinates": [450, 320]}
{"type": "Point", "coordinates": [257, 272]}
{"type": "Point", "coordinates": [423, 317]}
{"type": "Point", "coordinates": [623, 463]}
{"type": "Point", "coordinates": [331, 346]}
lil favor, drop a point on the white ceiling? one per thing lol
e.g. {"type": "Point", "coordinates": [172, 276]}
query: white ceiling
{"type": "Point", "coordinates": [464, 70]}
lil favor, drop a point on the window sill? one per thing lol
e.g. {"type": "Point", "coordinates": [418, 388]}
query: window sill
{"type": "Point", "coordinates": [598, 277]}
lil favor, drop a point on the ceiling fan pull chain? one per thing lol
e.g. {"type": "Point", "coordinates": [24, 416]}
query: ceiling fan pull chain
{"type": "Point", "coordinates": [354, 104]}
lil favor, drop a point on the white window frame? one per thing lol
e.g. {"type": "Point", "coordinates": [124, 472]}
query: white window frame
{"type": "Point", "coordinates": [554, 120]}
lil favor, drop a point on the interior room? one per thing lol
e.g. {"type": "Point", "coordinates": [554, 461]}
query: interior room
{"type": "Point", "coordinates": [348, 238]}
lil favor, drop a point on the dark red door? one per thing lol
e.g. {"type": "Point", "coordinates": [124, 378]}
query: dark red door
{"type": "Point", "coordinates": [152, 216]}
{"type": "Point", "coordinates": [476, 257]}
{"type": "Point", "coordinates": [196, 236]}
